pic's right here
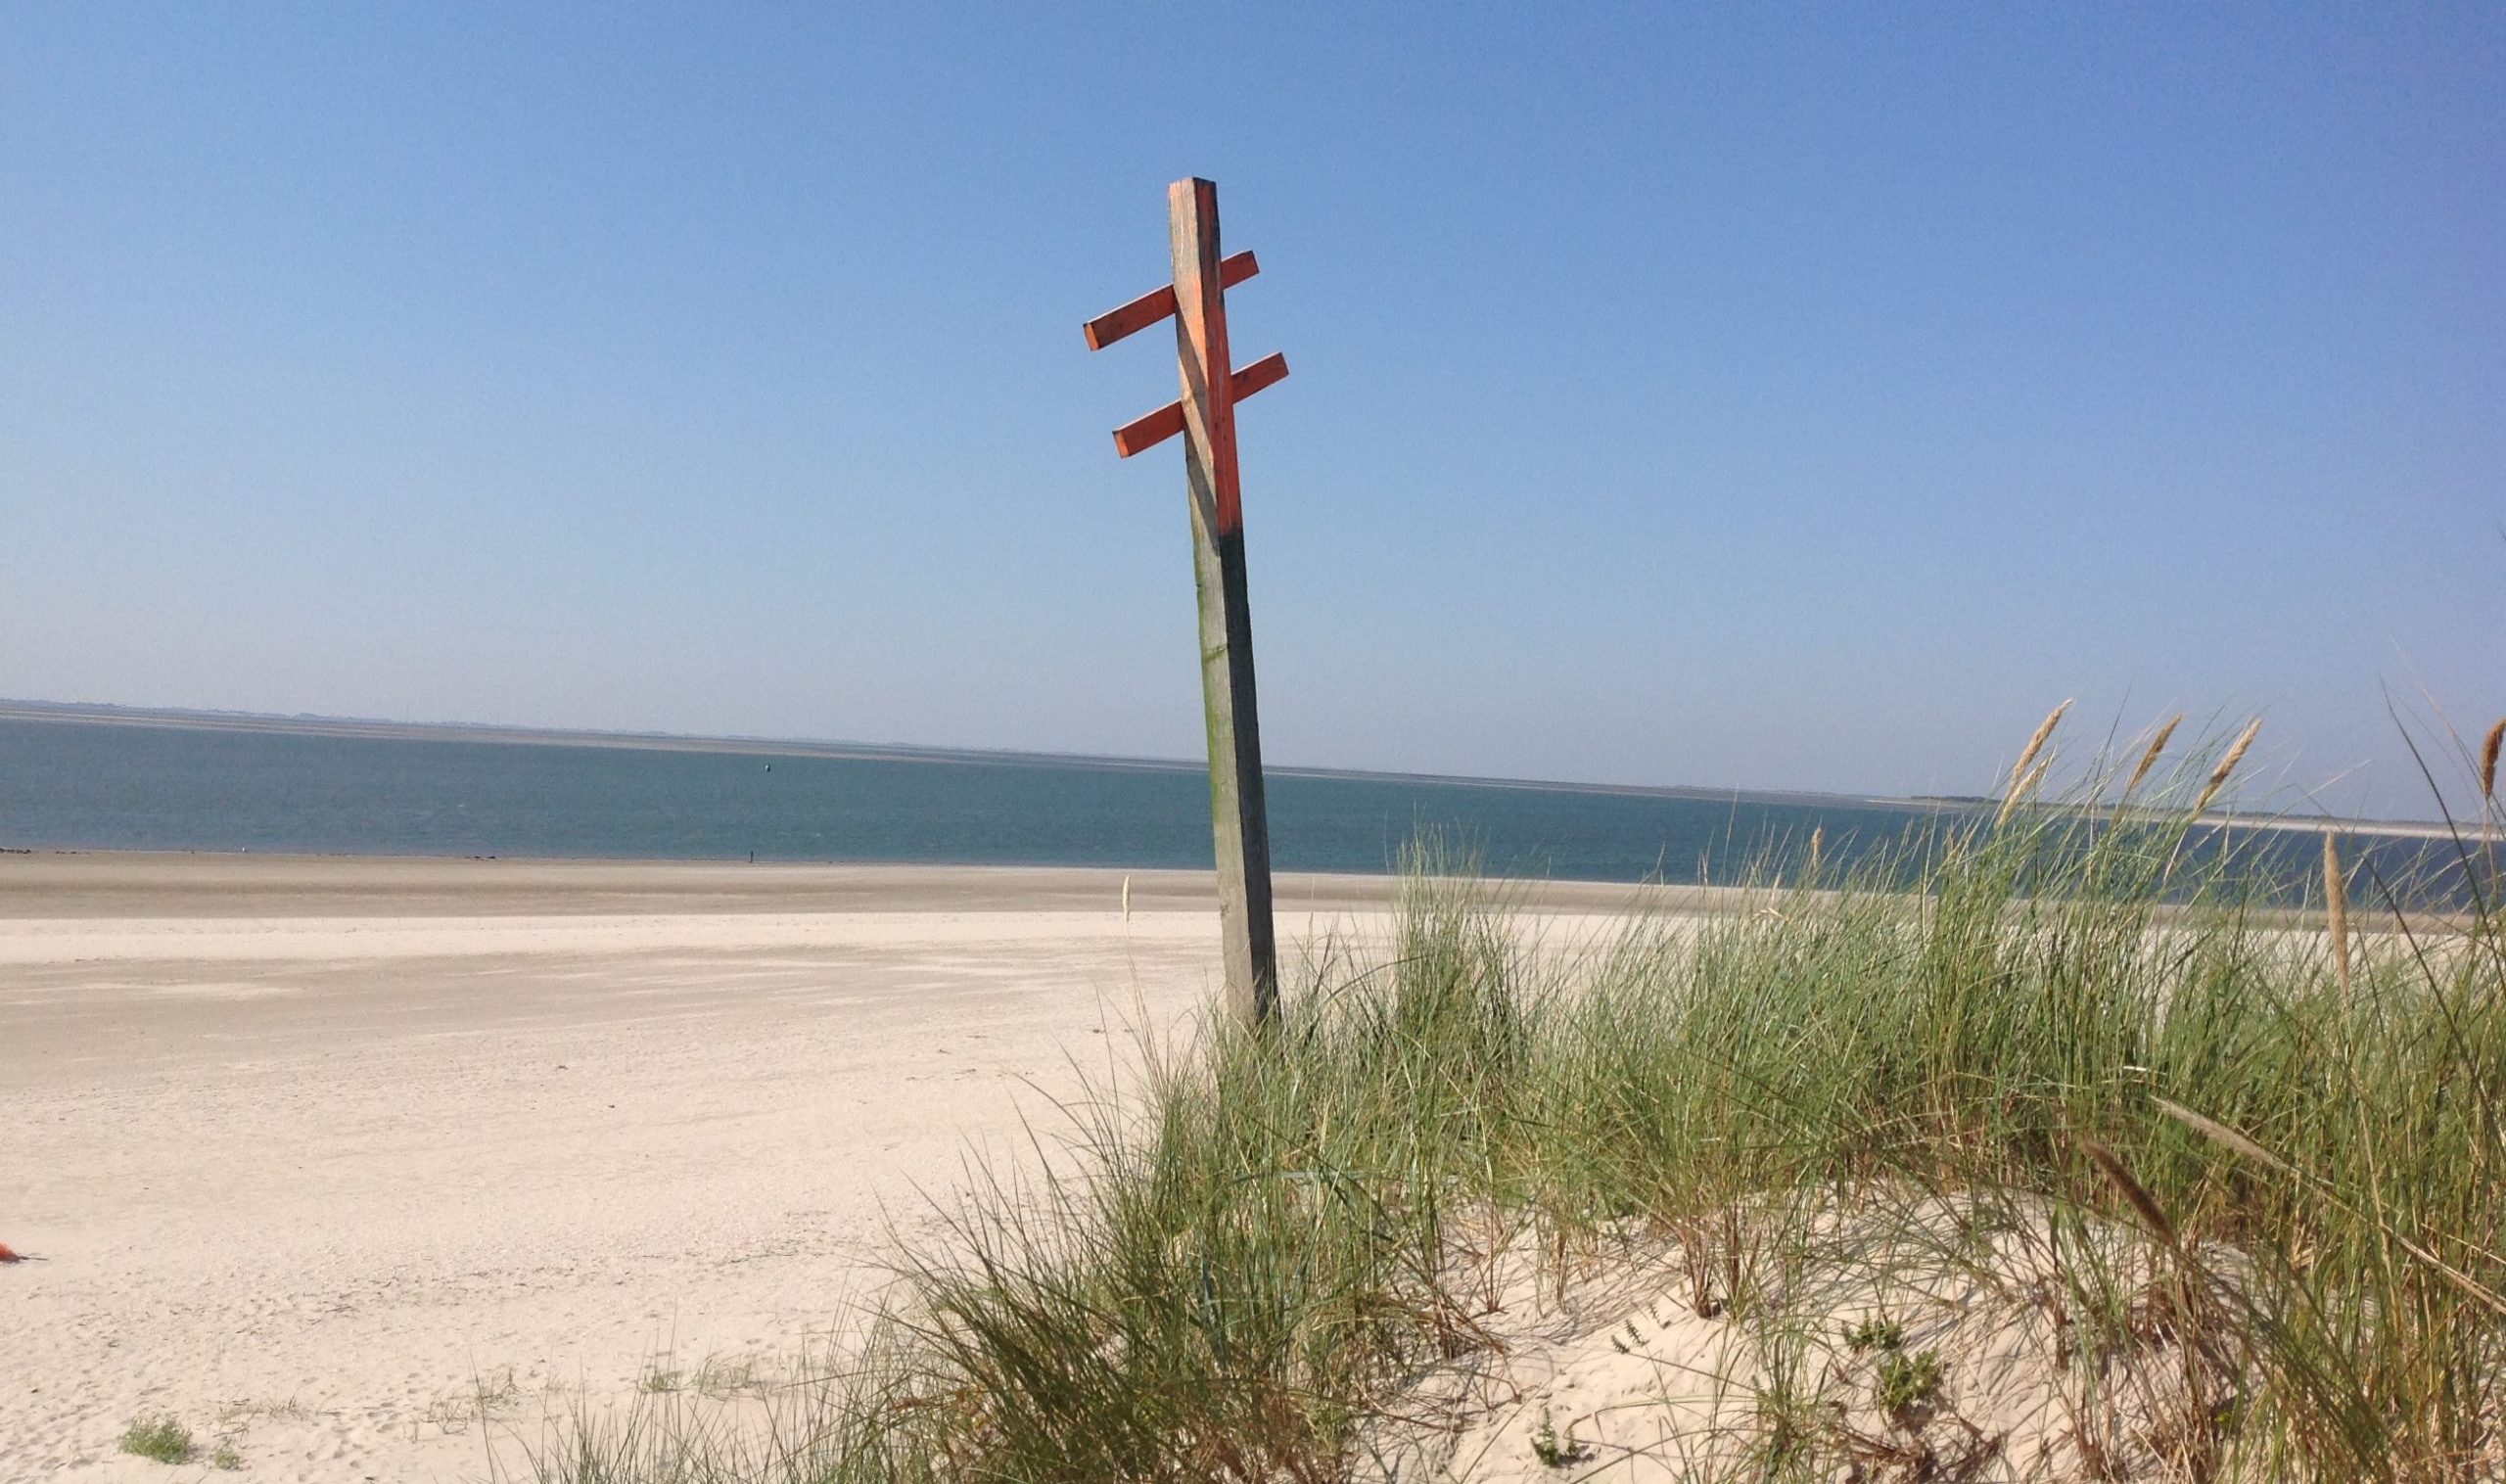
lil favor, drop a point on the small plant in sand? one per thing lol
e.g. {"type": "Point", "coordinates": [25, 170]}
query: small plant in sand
{"type": "Point", "coordinates": [715, 1378]}
{"type": "Point", "coordinates": [1907, 1387]}
{"type": "Point", "coordinates": [490, 1397]}
{"type": "Point", "coordinates": [160, 1436]}
{"type": "Point", "coordinates": [246, 1410]}
{"type": "Point", "coordinates": [226, 1459]}
{"type": "Point", "coordinates": [1554, 1450]}
{"type": "Point", "coordinates": [1787, 1412]}
{"type": "Point", "coordinates": [722, 1376]}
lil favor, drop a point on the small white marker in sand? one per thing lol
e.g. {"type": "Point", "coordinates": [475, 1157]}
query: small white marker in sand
{"type": "Point", "coordinates": [1127, 898]}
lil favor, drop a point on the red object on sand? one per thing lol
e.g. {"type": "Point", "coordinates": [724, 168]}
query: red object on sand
{"type": "Point", "coordinates": [9, 1254]}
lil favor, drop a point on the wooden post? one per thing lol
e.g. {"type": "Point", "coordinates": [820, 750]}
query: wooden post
{"type": "Point", "coordinates": [1206, 417]}
{"type": "Point", "coordinates": [1238, 816]}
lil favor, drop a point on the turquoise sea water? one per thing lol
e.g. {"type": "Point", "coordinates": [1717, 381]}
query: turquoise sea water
{"type": "Point", "coordinates": [89, 785]}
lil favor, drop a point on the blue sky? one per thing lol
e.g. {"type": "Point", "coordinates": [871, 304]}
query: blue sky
{"type": "Point", "coordinates": [1748, 396]}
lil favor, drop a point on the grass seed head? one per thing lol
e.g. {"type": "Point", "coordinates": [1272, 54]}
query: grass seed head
{"type": "Point", "coordinates": [2021, 790]}
{"type": "Point", "coordinates": [2134, 1194]}
{"type": "Point", "coordinates": [2148, 759]}
{"type": "Point", "coordinates": [2489, 759]}
{"type": "Point", "coordinates": [2227, 764]}
{"type": "Point", "coordinates": [2035, 744]}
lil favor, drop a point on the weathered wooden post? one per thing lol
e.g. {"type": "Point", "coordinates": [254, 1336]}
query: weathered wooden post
{"type": "Point", "coordinates": [1206, 417]}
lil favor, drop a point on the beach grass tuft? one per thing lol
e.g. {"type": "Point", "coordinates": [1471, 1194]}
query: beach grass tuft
{"type": "Point", "coordinates": [2245, 1204]}
{"type": "Point", "coordinates": [158, 1436]}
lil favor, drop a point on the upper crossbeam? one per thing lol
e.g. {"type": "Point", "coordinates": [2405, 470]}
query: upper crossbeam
{"type": "Point", "coordinates": [1159, 303]}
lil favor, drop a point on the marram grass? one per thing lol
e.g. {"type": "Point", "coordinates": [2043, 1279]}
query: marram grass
{"type": "Point", "coordinates": [1257, 1250]}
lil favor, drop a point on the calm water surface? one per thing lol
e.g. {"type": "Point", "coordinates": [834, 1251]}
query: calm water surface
{"type": "Point", "coordinates": [67, 784]}
{"type": "Point", "coordinates": [90, 785]}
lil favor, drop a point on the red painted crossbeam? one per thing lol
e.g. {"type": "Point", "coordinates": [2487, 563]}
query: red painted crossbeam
{"type": "Point", "coordinates": [1167, 421]}
{"type": "Point", "coordinates": [1158, 303]}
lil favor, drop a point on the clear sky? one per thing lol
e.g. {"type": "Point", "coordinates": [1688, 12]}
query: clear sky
{"type": "Point", "coordinates": [1736, 395]}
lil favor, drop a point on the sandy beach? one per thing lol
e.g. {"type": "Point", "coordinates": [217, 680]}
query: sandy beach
{"type": "Point", "coordinates": [318, 1154]}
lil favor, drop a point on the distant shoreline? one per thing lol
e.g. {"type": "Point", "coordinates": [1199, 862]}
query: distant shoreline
{"type": "Point", "coordinates": [354, 727]}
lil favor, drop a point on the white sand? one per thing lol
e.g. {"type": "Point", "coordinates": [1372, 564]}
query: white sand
{"type": "Point", "coordinates": [1620, 1374]}
{"type": "Point", "coordinates": [312, 1152]}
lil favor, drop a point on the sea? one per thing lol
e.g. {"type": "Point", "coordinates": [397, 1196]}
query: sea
{"type": "Point", "coordinates": [73, 783]}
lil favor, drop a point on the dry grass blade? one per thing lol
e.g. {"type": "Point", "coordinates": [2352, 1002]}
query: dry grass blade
{"type": "Point", "coordinates": [2335, 908]}
{"type": "Point", "coordinates": [2227, 765]}
{"type": "Point", "coordinates": [2489, 759]}
{"type": "Point", "coordinates": [2478, 1291]}
{"type": "Point", "coordinates": [2148, 759]}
